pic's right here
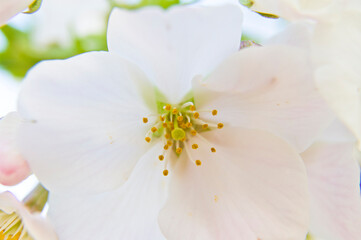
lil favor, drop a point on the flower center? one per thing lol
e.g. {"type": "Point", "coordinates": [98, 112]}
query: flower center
{"type": "Point", "coordinates": [175, 125]}
{"type": "Point", "coordinates": [12, 227]}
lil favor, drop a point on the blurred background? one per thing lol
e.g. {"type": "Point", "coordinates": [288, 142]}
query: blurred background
{"type": "Point", "coordinates": [64, 28]}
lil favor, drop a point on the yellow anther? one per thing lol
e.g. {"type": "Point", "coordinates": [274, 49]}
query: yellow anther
{"type": "Point", "coordinates": [195, 146]}
{"type": "Point", "coordinates": [183, 126]}
{"type": "Point", "coordinates": [166, 147]}
{"type": "Point", "coordinates": [165, 172]}
{"type": "Point", "coordinates": [170, 124]}
{"type": "Point", "coordinates": [168, 107]}
{"type": "Point", "coordinates": [194, 132]}
{"type": "Point", "coordinates": [213, 149]}
{"type": "Point", "coordinates": [154, 129]}
{"type": "Point", "coordinates": [214, 112]}
{"type": "Point", "coordinates": [192, 108]}
{"type": "Point", "coordinates": [180, 118]}
{"type": "Point", "coordinates": [145, 120]}
{"type": "Point", "coordinates": [167, 135]}
{"type": "Point", "coordinates": [178, 150]}
{"type": "Point", "coordinates": [175, 111]}
{"type": "Point", "coordinates": [220, 125]}
{"type": "Point", "coordinates": [198, 162]}
{"type": "Point", "coordinates": [205, 126]}
{"type": "Point", "coordinates": [161, 157]}
{"type": "Point", "coordinates": [183, 139]}
{"type": "Point", "coordinates": [169, 143]}
{"type": "Point", "coordinates": [161, 118]}
{"type": "Point", "coordinates": [188, 124]}
{"type": "Point", "coordinates": [196, 115]}
{"type": "Point", "coordinates": [147, 139]}
{"type": "Point", "coordinates": [165, 125]}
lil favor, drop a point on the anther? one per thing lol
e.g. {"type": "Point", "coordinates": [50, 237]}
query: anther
{"type": "Point", "coordinates": [195, 146]}
{"type": "Point", "coordinates": [169, 143]}
{"type": "Point", "coordinates": [145, 120]}
{"type": "Point", "coordinates": [161, 118]}
{"type": "Point", "coordinates": [167, 135]}
{"type": "Point", "coordinates": [166, 147]}
{"type": "Point", "coordinates": [180, 118]}
{"type": "Point", "coordinates": [168, 107]}
{"type": "Point", "coordinates": [147, 139]}
{"type": "Point", "coordinates": [205, 126]}
{"type": "Point", "coordinates": [213, 150]}
{"type": "Point", "coordinates": [154, 129]}
{"type": "Point", "coordinates": [161, 157]}
{"type": "Point", "coordinates": [220, 125]}
{"type": "Point", "coordinates": [165, 125]}
{"type": "Point", "coordinates": [188, 124]}
{"type": "Point", "coordinates": [165, 172]}
{"type": "Point", "coordinates": [198, 162]}
{"type": "Point", "coordinates": [192, 108]}
{"type": "Point", "coordinates": [175, 111]}
{"type": "Point", "coordinates": [193, 132]}
{"type": "Point", "coordinates": [196, 115]}
{"type": "Point", "coordinates": [214, 112]}
{"type": "Point", "coordinates": [179, 150]}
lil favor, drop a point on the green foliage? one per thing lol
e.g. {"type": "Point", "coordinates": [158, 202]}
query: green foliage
{"type": "Point", "coordinates": [21, 54]}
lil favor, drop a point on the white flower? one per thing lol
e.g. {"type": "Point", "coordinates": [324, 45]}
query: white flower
{"type": "Point", "coordinates": [227, 177]}
{"type": "Point", "coordinates": [17, 223]}
{"type": "Point", "coordinates": [9, 8]}
{"type": "Point", "coordinates": [13, 167]}
{"type": "Point", "coordinates": [334, 178]}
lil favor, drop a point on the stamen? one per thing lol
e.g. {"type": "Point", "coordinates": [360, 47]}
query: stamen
{"type": "Point", "coordinates": [180, 118]}
{"type": "Point", "coordinates": [167, 136]}
{"type": "Point", "coordinates": [213, 150]}
{"type": "Point", "coordinates": [214, 112]}
{"type": "Point", "coordinates": [165, 172]}
{"type": "Point", "coordinates": [161, 157]}
{"type": "Point", "coordinates": [195, 146]}
{"type": "Point", "coordinates": [192, 108]}
{"type": "Point", "coordinates": [187, 104]}
{"type": "Point", "coordinates": [205, 126]}
{"type": "Point", "coordinates": [165, 125]}
{"type": "Point", "coordinates": [147, 139]}
{"type": "Point", "coordinates": [220, 125]}
{"type": "Point", "coordinates": [189, 124]}
{"type": "Point", "coordinates": [198, 162]}
{"type": "Point", "coordinates": [175, 111]}
{"type": "Point", "coordinates": [161, 118]}
{"type": "Point", "coordinates": [193, 132]}
{"type": "Point", "coordinates": [168, 107]}
{"type": "Point", "coordinates": [166, 147]}
{"type": "Point", "coordinates": [154, 129]}
{"type": "Point", "coordinates": [145, 120]}
{"type": "Point", "coordinates": [196, 115]}
{"type": "Point", "coordinates": [179, 150]}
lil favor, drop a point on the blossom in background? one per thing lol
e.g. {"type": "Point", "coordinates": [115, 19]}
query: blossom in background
{"type": "Point", "coordinates": [13, 167]}
{"type": "Point", "coordinates": [18, 223]}
{"type": "Point", "coordinates": [137, 147]}
{"type": "Point", "coordinates": [9, 8]}
{"type": "Point", "coordinates": [59, 22]}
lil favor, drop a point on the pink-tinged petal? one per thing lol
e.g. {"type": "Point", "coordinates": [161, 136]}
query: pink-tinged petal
{"type": "Point", "coordinates": [334, 178]}
{"type": "Point", "coordinates": [84, 129]}
{"type": "Point", "coordinates": [253, 187]}
{"type": "Point", "coordinates": [35, 224]}
{"type": "Point", "coordinates": [130, 212]}
{"type": "Point", "coordinates": [13, 167]}
{"type": "Point", "coordinates": [9, 8]}
{"type": "Point", "coordinates": [175, 45]}
{"type": "Point", "coordinates": [269, 88]}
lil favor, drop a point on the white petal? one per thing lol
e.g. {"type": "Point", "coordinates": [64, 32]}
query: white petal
{"type": "Point", "coordinates": [13, 167]}
{"type": "Point", "coordinates": [127, 213]}
{"type": "Point", "coordinates": [334, 178]}
{"type": "Point", "coordinates": [270, 88]}
{"type": "Point", "coordinates": [175, 45]}
{"type": "Point", "coordinates": [9, 8]}
{"type": "Point", "coordinates": [253, 187]}
{"type": "Point", "coordinates": [36, 226]}
{"type": "Point", "coordinates": [84, 129]}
